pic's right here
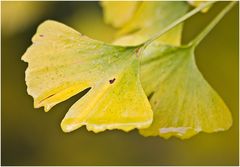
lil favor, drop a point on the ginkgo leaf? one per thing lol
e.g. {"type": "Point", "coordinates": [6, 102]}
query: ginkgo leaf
{"type": "Point", "coordinates": [182, 100]}
{"type": "Point", "coordinates": [150, 18]}
{"type": "Point", "coordinates": [118, 13]}
{"type": "Point", "coordinates": [63, 62]}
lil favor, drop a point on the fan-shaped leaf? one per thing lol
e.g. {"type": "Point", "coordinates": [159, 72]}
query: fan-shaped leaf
{"type": "Point", "coordinates": [182, 100]}
{"type": "Point", "coordinates": [63, 62]}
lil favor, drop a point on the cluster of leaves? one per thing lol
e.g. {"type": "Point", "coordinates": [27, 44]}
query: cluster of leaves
{"type": "Point", "coordinates": [140, 81]}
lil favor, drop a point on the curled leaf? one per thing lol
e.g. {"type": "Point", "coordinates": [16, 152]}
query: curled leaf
{"type": "Point", "coordinates": [183, 102]}
{"type": "Point", "coordinates": [63, 62]}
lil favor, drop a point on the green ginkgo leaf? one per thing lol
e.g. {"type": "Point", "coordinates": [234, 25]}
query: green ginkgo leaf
{"type": "Point", "coordinates": [118, 13]}
{"type": "Point", "coordinates": [182, 100]}
{"type": "Point", "coordinates": [150, 18]}
{"type": "Point", "coordinates": [63, 62]}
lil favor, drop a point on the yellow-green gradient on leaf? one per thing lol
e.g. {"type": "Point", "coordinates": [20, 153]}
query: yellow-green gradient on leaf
{"type": "Point", "coordinates": [182, 100]}
{"type": "Point", "coordinates": [63, 62]}
{"type": "Point", "coordinates": [149, 19]}
{"type": "Point", "coordinates": [118, 13]}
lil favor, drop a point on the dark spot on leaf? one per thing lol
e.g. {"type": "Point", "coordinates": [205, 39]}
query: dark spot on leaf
{"type": "Point", "coordinates": [111, 81]}
{"type": "Point", "coordinates": [41, 35]}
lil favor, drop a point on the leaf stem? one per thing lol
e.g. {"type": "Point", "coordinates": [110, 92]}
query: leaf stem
{"type": "Point", "coordinates": [211, 25]}
{"type": "Point", "coordinates": [178, 21]}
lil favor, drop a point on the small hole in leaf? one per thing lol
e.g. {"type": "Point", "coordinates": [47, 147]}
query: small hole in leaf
{"type": "Point", "coordinates": [111, 81]}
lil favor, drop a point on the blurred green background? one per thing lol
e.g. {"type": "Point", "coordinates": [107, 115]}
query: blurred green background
{"type": "Point", "coordinates": [32, 137]}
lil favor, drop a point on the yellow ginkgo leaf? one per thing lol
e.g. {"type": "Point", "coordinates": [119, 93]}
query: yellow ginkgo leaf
{"type": "Point", "coordinates": [118, 13]}
{"type": "Point", "coordinates": [151, 18]}
{"type": "Point", "coordinates": [63, 62]}
{"type": "Point", "coordinates": [182, 100]}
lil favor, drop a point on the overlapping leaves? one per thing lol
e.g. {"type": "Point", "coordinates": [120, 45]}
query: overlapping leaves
{"type": "Point", "coordinates": [62, 63]}
{"type": "Point", "coordinates": [182, 100]}
{"type": "Point", "coordinates": [150, 18]}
